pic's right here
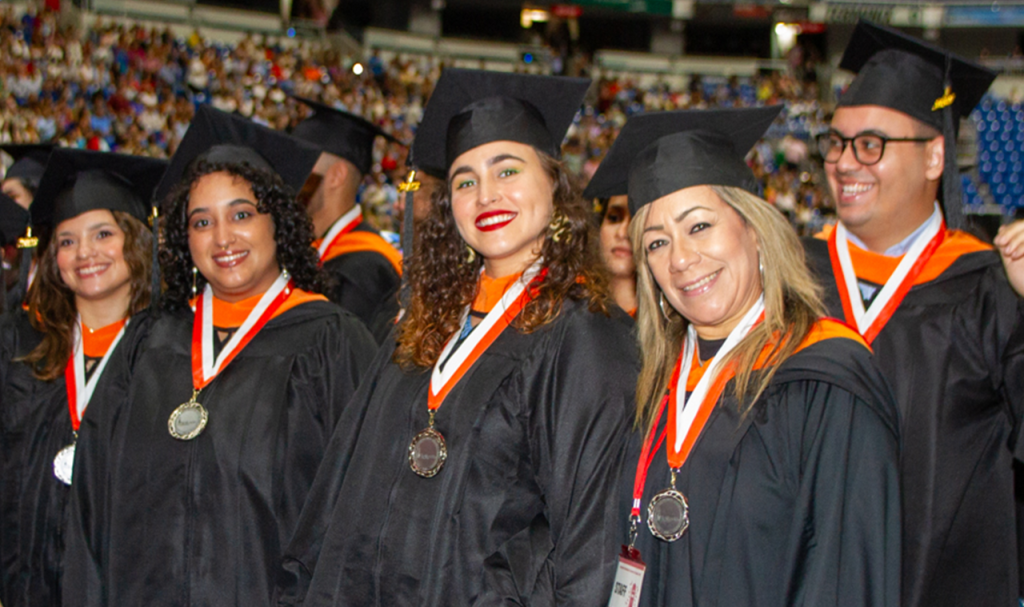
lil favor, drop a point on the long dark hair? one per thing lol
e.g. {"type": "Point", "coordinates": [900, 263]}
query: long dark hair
{"type": "Point", "coordinates": [51, 304]}
{"type": "Point", "coordinates": [443, 281]}
{"type": "Point", "coordinates": [293, 231]}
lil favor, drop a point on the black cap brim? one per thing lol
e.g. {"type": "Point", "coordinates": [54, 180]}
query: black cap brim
{"type": "Point", "coordinates": [340, 133]}
{"type": "Point", "coordinates": [658, 153]}
{"type": "Point", "coordinates": [231, 138]}
{"type": "Point", "coordinates": [29, 160]}
{"type": "Point", "coordinates": [77, 181]}
{"type": "Point", "coordinates": [469, 108]}
{"type": "Point", "coordinates": [908, 75]}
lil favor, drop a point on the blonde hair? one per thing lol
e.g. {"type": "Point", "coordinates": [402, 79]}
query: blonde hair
{"type": "Point", "coordinates": [792, 301]}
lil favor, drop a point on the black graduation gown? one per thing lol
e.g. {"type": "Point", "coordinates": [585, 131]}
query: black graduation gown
{"type": "Point", "coordinates": [796, 503]}
{"type": "Point", "coordinates": [522, 512]}
{"type": "Point", "coordinates": [954, 355]}
{"type": "Point", "coordinates": [158, 521]}
{"type": "Point", "coordinates": [34, 426]}
{"type": "Point", "coordinates": [366, 284]}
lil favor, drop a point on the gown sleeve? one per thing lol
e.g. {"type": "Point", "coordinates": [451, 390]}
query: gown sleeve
{"type": "Point", "coordinates": [845, 546]}
{"type": "Point", "coordinates": [1002, 333]}
{"type": "Point", "coordinates": [89, 506]}
{"type": "Point", "coordinates": [302, 553]}
{"type": "Point", "coordinates": [579, 402]}
{"type": "Point", "coordinates": [8, 493]}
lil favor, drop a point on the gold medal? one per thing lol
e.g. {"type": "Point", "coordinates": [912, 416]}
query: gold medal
{"type": "Point", "coordinates": [427, 451]}
{"type": "Point", "coordinates": [668, 514]}
{"type": "Point", "coordinates": [188, 420]}
{"type": "Point", "coordinates": [63, 464]}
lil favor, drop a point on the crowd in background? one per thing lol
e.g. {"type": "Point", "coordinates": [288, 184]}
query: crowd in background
{"type": "Point", "coordinates": [134, 90]}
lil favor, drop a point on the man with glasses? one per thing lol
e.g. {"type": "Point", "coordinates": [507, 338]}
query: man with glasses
{"type": "Point", "coordinates": [936, 307]}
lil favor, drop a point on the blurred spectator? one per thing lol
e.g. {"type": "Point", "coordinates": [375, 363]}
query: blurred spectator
{"type": "Point", "coordinates": [133, 89]}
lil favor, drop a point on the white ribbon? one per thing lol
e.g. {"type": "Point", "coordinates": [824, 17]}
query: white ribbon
{"type": "Point", "coordinates": [685, 416]}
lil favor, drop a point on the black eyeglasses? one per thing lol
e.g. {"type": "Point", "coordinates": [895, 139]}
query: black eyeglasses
{"type": "Point", "coordinates": [867, 147]}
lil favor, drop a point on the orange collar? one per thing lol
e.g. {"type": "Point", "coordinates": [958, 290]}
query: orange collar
{"type": "Point", "coordinates": [490, 290]}
{"type": "Point", "coordinates": [227, 315]}
{"type": "Point", "coordinates": [96, 342]}
{"type": "Point", "coordinates": [824, 328]}
{"type": "Point", "coordinates": [877, 268]}
{"type": "Point", "coordinates": [355, 242]}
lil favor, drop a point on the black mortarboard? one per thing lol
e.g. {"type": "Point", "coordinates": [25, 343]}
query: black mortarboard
{"type": "Point", "coordinates": [217, 136]}
{"type": "Point", "coordinates": [921, 80]}
{"type": "Point", "coordinates": [469, 108]}
{"type": "Point", "coordinates": [29, 161]}
{"type": "Point", "coordinates": [340, 133]}
{"type": "Point", "coordinates": [13, 221]}
{"type": "Point", "coordinates": [76, 181]}
{"type": "Point", "coordinates": [899, 72]}
{"type": "Point", "coordinates": [658, 153]}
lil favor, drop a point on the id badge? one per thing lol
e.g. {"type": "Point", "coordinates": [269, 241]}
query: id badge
{"type": "Point", "coordinates": [629, 579]}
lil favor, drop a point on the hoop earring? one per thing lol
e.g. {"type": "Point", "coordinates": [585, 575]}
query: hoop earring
{"type": "Point", "coordinates": [470, 255]}
{"type": "Point", "coordinates": [661, 305]}
{"type": "Point", "coordinates": [195, 271]}
{"type": "Point", "coordinates": [559, 226]}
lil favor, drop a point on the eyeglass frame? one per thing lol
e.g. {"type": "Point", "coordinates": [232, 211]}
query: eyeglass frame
{"type": "Point", "coordinates": [847, 140]}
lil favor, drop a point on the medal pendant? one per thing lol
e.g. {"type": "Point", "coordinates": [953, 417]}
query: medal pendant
{"type": "Point", "coordinates": [427, 452]}
{"type": "Point", "coordinates": [63, 464]}
{"type": "Point", "coordinates": [188, 420]}
{"type": "Point", "coordinates": [668, 515]}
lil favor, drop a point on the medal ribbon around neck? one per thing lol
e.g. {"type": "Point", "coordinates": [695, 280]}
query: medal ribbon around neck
{"type": "Point", "coordinates": [869, 323]}
{"type": "Point", "coordinates": [79, 390]}
{"type": "Point", "coordinates": [345, 224]}
{"type": "Point", "coordinates": [686, 423]}
{"type": "Point", "coordinates": [481, 338]}
{"type": "Point", "coordinates": [204, 366]}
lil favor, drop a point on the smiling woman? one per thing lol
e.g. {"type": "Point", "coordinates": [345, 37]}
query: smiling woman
{"type": "Point", "coordinates": [92, 276]}
{"type": "Point", "coordinates": [768, 404]}
{"type": "Point", "coordinates": [228, 396]}
{"type": "Point", "coordinates": [482, 458]}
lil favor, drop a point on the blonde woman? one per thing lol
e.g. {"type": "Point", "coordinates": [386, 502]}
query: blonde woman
{"type": "Point", "coordinates": [766, 454]}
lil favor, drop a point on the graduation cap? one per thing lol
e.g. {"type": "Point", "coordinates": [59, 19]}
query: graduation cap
{"type": "Point", "coordinates": [340, 133]}
{"type": "Point", "coordinates": [658, 153]}
{"type": "Point", "coordinates": [921, 80]}
{"type": "Point", "coordinates": [217, 136]}
{"type": "Point", "coordinates": [469, 108]}
{"type": "Point", "coordinates": [13, 221]}
{"type": "Point", "coordinates": [29, 161]}
{"type": "Point", "coordinates": [76, 181]}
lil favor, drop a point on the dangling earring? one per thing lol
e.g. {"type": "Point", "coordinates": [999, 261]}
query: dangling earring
{"type": "Point", "coordinates": [760, 268]}
{"type": "Point", "coordinates": [661, 304]}
{"type": "Point", "coordinates": [470, 255]}
{"type": "Point", "coordinates": [559, 226]}
{"type": "Point", "coordinates": [195, 271]}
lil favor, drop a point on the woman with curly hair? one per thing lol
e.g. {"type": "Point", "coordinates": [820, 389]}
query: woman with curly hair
{"type": "Point", "coordinates": [92, 278]}
{"type": "Point", "coordinates": [764, 469]}
{"type": "Point", "coordinates": [476, 466]}
{"type": "Point", "coordinates": [196, 467]}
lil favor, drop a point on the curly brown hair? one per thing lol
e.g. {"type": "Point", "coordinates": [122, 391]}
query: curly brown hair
{"type": "Point", "coordinates": [443, 281]}
{"type": "Point", "coordinates": [51, 304]}
{"type": "Point", "coordinates": [293, 231]}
